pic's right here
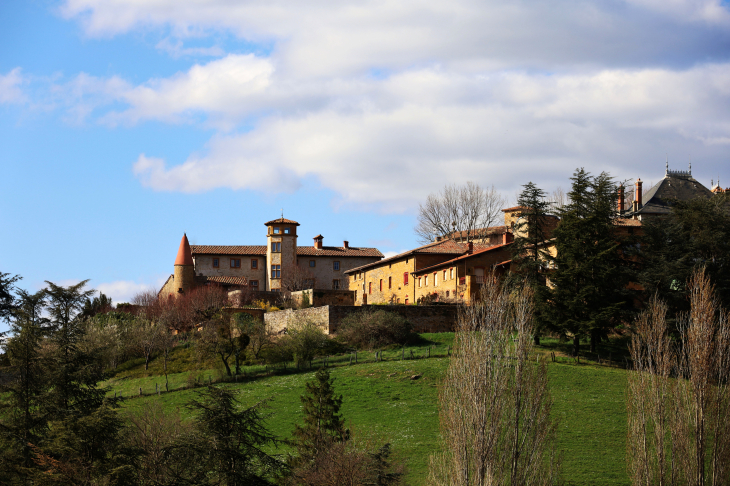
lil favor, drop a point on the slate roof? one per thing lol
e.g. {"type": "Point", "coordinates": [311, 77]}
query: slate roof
{"type": "Point", "coordinates": [675, 185]}
{"type": "Point", "coordinates": [257, 250]}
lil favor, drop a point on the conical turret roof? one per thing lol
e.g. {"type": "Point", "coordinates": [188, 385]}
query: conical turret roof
{"type": "Point", "coordinates": [184, 255]}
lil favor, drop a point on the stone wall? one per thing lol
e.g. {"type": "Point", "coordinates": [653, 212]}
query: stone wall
{"type": "Point", "coordinates": [431, 318]}
{"type": "Point", "coordinates": [318, 298]}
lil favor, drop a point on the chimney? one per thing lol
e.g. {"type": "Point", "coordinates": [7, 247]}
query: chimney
{"type": "Point", "coordinates": [636, 207]}
{"type": "Point", "coordinates": [318, 242]}
{"type": "Point", "coordinates": [507, 237]}
{"type": "Point", "coordinates": [346, 245]}
{"type": "Point", "coordinates": [470, 248]}
{"type": "Point", "coordinates": [621, 207]}
{"type": "Point", "coordinates": [638, 197]}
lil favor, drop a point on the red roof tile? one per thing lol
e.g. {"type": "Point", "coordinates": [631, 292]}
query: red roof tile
{"type": "Point", "coordinates": [281, 221]}
{"type": "Point", "coordinates": [338, 251]}
{"type": "Point", "coordinates": [462, 257]}
{"type": "Point", "coordinates": [515, 208]}
{"type": "Point", "coordinates": [301, 250]}
{"type": "Point", "coordinates": [224, 280]}
{"type": "Point", "coordinates": [228, 250]}
{"type": "Point", "coordinates": [445, 247]}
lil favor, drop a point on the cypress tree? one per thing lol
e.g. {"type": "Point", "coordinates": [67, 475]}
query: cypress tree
{"type": "Point", "coordinates": [589, 283]}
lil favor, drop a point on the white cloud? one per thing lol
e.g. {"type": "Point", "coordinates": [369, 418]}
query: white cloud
{"type": "Point", "coordinates": [10, 91]}
{"type": "Point", "coordinates": [177, 50]}
{"type": "Point", "coordinates": [124, 290]}
{"type": "Point", "coordinates": [386, 143]}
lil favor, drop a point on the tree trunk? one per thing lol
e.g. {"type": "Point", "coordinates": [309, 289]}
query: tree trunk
{"type": "Point", "coordinates": [537, 340]}
{"type": "Point", "coordinates": [595, 339]}
{"type": "Point", "coordinates": [146, 361]}
{"type": "Point", "coordinates": [576, 345]}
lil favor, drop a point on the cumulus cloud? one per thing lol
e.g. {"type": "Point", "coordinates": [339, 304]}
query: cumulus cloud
{"type": "Point", "coordinates": [10, 91]}
{"type": "Point", "coordinates": [333, 38]}
{"type": "Point", "coordinates": [382, 102]}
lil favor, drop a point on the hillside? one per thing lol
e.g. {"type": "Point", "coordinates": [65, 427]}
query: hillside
{"type": "Point", "coordinates": [383, 403]}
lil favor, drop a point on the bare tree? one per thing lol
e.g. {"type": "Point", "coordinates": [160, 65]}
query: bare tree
{"type": "Point", "coordinates": [148, 338]}
{"type": "Point", "coordinates": [679, 399]}
{"type": "Point", "coordinates": [463, 212]}
{"type": "Point", "coordinates": [297, 278]}
{"type": "Point", "coordinates": [495, 404]}
{"type": "Point", "coordinates": [557, 199]}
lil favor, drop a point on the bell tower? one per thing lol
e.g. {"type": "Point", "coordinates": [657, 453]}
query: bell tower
{"type": "Point", "coordinates": [281, 251]}
{"type": "Point", "coordinates": [184, 276]}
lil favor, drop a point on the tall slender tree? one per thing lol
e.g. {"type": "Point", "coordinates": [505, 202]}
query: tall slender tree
{"type": "Point", "coordinates": [589, 283]}
{"type": "Point", "coordinates": [529, 250]}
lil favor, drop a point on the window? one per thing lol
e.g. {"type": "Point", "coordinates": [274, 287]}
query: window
{"type": "Point", "coordinates": [312, 263]}
{"type": "Point", "coordinates": [254, 284]}
{"type": "Point", "coordinates": [405, 278]}
{"type": "Point", "coordinates": [447, 293]}
{"type": "Point", "coordinates": [390, 282]}
{"type": "Point", "coordinates": [335, 266]}
{"type": "Point", "coordinates": [254, 263]}
{"type": "Point", "coordinates": [444, 274]}
{"type": "Point", "coordinates": [235, 263]}
{"type": "Point", "coordinates": [286, 231]}
{"type": "Point", "coordinates": [452, 272]}
{"type": "Point", "coordinates": [406, 301]}
{"type": "Point", "coordinates": [275, 271]}
{"type": "Point", "coordinates": [276, 246]}
{"type": "Point", "coordinates": [336, 284]}
{"type": "Point", "coordinates": [216, 263]}
{"type": "Point", "coordinates": [276, 231]}
{"type": "Point", "coordinates": [435, 279]}
{"type": "Point", "coordinates": [420, 281]}
{"type": "Point", "coordinates": [425, 281]}
{"type": "Point", "coordinates": [370, 287]}
{"type": "Point", "coordinates": [381, 284]}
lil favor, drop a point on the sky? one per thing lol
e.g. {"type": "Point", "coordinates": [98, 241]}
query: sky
{"type": "Point", "coordinates": [124, 123]}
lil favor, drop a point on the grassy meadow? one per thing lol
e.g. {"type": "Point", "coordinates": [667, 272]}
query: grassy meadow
{"type": "Point", "coordinates": [396, 401]}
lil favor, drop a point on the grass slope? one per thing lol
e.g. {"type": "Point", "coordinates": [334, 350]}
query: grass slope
{"type": "Point", "coordinates": [382, 403]}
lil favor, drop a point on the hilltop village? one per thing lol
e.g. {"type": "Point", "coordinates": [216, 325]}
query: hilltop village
{"type": "Point", "coordinates": [448, 270]}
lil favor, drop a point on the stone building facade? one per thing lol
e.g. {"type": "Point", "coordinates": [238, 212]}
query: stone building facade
{"type": "Point", "coordinates": [279, 264]}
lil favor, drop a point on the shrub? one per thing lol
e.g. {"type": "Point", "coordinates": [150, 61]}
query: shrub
{"type": "Point", "coordinates": [373, 329]}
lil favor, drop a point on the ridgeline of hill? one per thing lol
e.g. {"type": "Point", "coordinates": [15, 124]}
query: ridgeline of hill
{"type": "Point", "coordinates": [396, 400]}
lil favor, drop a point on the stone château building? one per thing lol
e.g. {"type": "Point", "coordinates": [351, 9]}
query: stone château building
{"type": "Point", "coordinates": [279, 265]}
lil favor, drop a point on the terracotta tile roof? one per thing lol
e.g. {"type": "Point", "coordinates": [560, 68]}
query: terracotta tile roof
{"type": "Point", "coordinates": [224, 280]}
{"type": "Point", "coordinates": [338, 251]}
{"type": "Point", "coordinates": [228, 250]}
{"type": "Point", "coordinates": [301, 250]}
{"type": "Point", "coordinates": [281, 221]}
{"type": "Point", "coordinates": [443, 247]}
{"type": "Point", "coordinates": [462, 257]}
{"type": "Point", "coordinates": [626, 222]}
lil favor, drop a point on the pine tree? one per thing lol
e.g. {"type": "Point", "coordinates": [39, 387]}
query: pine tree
{"type": "Point", "coordinates": [529, 251]}
{"type": "Point", "coordinates": [323, 424]}
{"type": "Point", "coordinates": [230, 442]}
{"type": "Point", "coordinates": [24, 423]}
{"type": "Point", "coordinates": [590, 278]}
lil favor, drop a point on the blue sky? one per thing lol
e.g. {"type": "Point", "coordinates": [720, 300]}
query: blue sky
{"type": "Point", "coordinates": [126, 123]}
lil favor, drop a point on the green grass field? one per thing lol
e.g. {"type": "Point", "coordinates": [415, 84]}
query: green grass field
{"type": "Point", "coordinates": [382, 403]}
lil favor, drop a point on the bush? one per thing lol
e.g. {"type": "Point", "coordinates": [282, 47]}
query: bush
{"type": "Point", "coordinates": [303, 341]}
{"type": "Point", "coordinates": [375, 329]}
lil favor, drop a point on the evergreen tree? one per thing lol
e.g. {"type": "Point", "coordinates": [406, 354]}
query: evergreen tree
{"type": "Point", "coordinates": [24, 422]}
{"type": "Point", "coordinates": [589, 283]}
{"type": "Point", "coordinates": [229, 441]}
{"type": "Point", "coordinates": [323, 424]}
{"type": "Point", "coordinates": [7, 299]}
{"type": "Point", "coordinates": [529, 252]}
{"type": "Point", "coordinates": [696, 234]}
